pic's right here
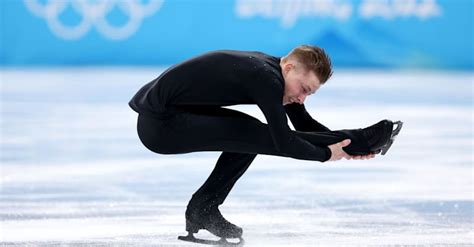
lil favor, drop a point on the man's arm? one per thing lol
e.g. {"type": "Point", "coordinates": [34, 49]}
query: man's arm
{"type": "Point", "coordinates": [268, 100]}
{"type": "Point", "coordinates": [301, 119]}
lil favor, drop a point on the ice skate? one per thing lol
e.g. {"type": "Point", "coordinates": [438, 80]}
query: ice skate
{"type": "Point", "coordinates": [375, 139]}
{"type": "Point", "coordinates": [221, 242]}
{"type": "Point", "coordinates": [212, 221]}
{"type": "Point", "coordinates": [393, 135]}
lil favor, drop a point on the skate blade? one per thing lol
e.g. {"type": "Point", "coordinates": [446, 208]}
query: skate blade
{"type": "Point", "coordinates": [220, 242]}
{"type": "Point", "coordinates": [395, 133]}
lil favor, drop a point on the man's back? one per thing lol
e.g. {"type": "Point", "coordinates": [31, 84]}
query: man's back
{"type": "Point", "coordinates": [218, 78]}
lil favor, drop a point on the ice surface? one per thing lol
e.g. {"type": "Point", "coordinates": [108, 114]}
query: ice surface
{"type": "Point", "coordinates": [73, 171]}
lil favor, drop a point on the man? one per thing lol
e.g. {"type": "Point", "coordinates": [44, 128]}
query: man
{"type": "Point", "coordinates": [181, 111]}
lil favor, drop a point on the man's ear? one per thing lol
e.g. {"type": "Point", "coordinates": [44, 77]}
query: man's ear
{"type": "Point", "coordinates": [287, 67]}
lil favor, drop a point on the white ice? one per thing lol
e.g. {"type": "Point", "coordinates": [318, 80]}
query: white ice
{"type": "Point", "coordinates": [73, 171]}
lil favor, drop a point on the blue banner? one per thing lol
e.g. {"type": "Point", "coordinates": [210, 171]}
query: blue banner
{"type": "Point", "coordinates": [357, 34]}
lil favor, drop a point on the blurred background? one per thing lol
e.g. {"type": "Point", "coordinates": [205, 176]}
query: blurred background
{"type": "Point", "coordinates": [71, 161]}
{"type": "Point", "coordinates": [357, 34]}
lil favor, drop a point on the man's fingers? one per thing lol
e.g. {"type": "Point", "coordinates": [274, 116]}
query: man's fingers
{"type": "Point", "coordinates": [345, 143]}
{"type": "Point", "coordinates": [345, 155]}
{"type": "Point", "coordinates": [338, 152]}
{"type": "Point", "coordinates": [363, 157]}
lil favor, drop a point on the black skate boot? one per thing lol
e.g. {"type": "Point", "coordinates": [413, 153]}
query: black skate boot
{"type": "Point", "coordinates": [211, 220]}
{"type": "Point", "coordinates": [373, 139]}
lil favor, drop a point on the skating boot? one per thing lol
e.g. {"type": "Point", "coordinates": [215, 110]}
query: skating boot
{"type": "Point", "coordinates": [373, 139]}
{"type": "Point", "coordinates": [211, 220]}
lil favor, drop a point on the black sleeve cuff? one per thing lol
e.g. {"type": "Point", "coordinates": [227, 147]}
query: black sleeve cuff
{"type": "Point", "coordinates": [328, 154]}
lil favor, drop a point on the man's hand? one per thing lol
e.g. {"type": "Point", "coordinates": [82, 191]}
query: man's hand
{"type": "Point", "coordinates": [338, 153]}
{"type": "Point", "coordinates": [336, 150]}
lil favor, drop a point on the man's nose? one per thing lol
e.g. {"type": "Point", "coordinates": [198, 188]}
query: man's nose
{"type": "Point", "coordinates": [302, 98]}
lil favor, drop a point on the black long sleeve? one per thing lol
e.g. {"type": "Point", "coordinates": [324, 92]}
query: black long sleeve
{"type": "Point", "coordinates": [302, 120]}
{"type": "Point", "coordinates": [224, 78]}
{"type": "Point", "coordinates": [285, 140]}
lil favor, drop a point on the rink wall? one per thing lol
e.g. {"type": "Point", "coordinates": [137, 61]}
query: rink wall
{"type": "Point", "coordinates": [356, 33]}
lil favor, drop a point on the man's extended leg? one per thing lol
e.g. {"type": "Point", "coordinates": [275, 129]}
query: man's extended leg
{"type": "Point", "coordinates": [220, 129]}
{"type": "Point", "coordinates": [373, 139]}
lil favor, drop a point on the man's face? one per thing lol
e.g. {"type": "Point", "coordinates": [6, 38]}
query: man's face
{"type": "Point", "coordinates": [299, 83]}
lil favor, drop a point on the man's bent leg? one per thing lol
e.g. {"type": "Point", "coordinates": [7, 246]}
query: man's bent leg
{"type": "Point", "coordinates": [229, 168]}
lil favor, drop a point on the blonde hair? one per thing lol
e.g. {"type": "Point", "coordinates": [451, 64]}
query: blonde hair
{"type": "Point", "coordinates": [313, 58]}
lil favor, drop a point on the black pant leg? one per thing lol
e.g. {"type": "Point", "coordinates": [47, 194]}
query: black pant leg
{"type": "Point", "coordinates": [239, 135]}
{"type": "Point", "coordinates": [219, 129]}
{"type": "Point", "coordinates": [229, 168]}
{"type": "Point", "coordinates": [195, 129]}
{"type": "Point", "coordinates": [208, 130]}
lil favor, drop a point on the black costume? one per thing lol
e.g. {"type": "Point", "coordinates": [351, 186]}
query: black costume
{"type": "Point", "coordinates": [194, 91]}
{"type": "Point", "coordinates": [180, 112]}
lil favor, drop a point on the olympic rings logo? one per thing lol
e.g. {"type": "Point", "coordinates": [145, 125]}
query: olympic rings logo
{"type": "Point", "coordinates": [93, 14]}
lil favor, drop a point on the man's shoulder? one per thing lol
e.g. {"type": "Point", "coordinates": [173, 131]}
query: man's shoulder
{"type": "Point", "coordinates": [239, 54]}
{"type": "Point", "coordinates": [251, 61]}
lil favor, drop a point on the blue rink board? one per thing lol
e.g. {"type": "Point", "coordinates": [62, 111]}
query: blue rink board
{"type": "Point", "coordinates": [357, 33]}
